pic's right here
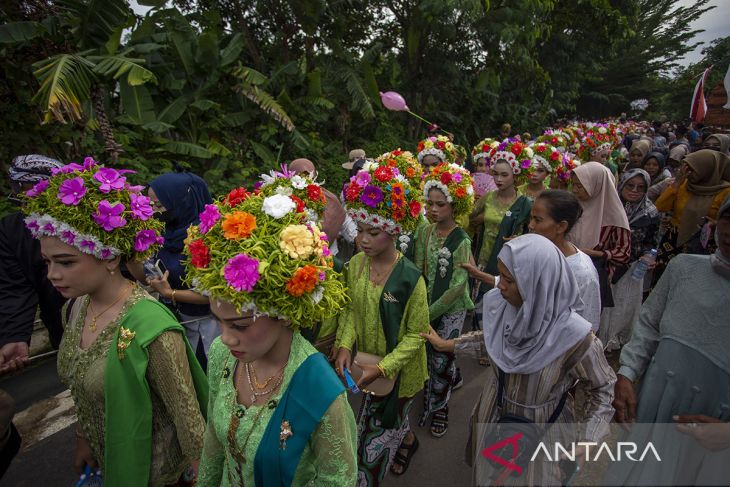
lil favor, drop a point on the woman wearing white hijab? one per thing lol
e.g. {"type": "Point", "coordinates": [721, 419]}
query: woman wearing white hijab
{"type": "Point", "coordinates": [534, 336]}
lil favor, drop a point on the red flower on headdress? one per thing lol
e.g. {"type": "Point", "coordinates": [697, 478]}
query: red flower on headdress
{"type": "Point", "coordinates": [415, 208]}
{"type": "Point", "coordinates": [199, 254]}
{"type": "Point", "coordinates": [554, 156]}
{"type": "Point", "coordinates": [517, 148]}
{"type": "Point", "coordinates": [299, 202]}
{"type": "Point", "coordinates": [314, 193]}
{"type": "Point", "coordinates": [352, 192]}
{"type": "Point", "coordinates": [383, 174]}
{"type": "Point", "coordinates": [396, 153]}
{"type": "Point", "coordinates": [440, 144]}
{"type": "Point", "coordinates": [237, 196]}
{"type": "Point", "coordinates": [445, 177]}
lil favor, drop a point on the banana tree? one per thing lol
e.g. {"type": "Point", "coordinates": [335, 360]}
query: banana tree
{"type": "Point", "coordinates": [72, 83]}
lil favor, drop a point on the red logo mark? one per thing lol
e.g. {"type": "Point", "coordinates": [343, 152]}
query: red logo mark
{"type": "Point", "coordinates": [507, 464]}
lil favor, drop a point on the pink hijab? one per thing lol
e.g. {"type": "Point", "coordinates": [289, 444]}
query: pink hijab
{"type": "Point", "coordinates": [604, 209]}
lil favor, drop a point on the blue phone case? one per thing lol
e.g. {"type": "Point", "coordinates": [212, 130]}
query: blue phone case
{"type": "Point", "coordinates": [351, 382]}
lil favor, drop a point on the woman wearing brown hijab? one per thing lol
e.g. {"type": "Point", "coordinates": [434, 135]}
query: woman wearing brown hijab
{"type": "Point", "coordinates": [640, 148]}
{"type": "Point", "coordinates": [718, 142]}
{"type": "Point", "coordinates": [701, 185]}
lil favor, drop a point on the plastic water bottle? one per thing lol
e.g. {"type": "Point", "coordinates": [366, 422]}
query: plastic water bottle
{"type": "Point", "coordinates": [643, 265]}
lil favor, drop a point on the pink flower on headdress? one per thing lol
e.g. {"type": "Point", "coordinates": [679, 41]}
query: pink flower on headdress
{"type": "Point", "coordinates": [242, 272]}
{"type": "Point", "coordinates": [133, 189]}
{"type": "Point", "coordinates": [362, 178]}
{"type": "Point", "coordinates": [67, 169]}
{"type": "Point", "coordinates": [145, 239]}
{"type": "Point", "coordinates": [49, 228]}
{"type": "Point", "coordinates": [33, 226]}
{"type": "Point", "coordinates": [456, 177]}
{"type": "Point", "coordinates": [141, 208]}
{"type": "Point", "coordinates": [89, 162]}
{"type": "Point", "coordinates": [88, 244]}
{"type": "Point", "coordinates": [37, 189]}
{"type": "Point", "coordinates": [208, 218]}
{"type": "Point", "coordinates": [526, 164]}
{"type": "Point", "coordinates": [109, 217]}
{"type": "Point", "coordinates": [105, 254]}
{"type": "Point", "coordinates": [68, 237]}
{"type": "Point", "coordinates": [71, 191]}
{"type": "Point", "coordinates": [110, 179]}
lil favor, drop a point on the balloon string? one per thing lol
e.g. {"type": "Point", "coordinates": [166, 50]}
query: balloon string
{"type": "Point", "coordinates": [424, 120]}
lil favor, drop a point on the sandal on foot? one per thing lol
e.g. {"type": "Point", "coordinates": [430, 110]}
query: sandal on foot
{"type": "Point", "coordinates": [404, 460]}
{"type": "Point", "coordinates": [440, 423]}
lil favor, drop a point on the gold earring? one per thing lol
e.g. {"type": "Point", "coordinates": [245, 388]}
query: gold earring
{"type": "Point", "coordinates": [111, 272]}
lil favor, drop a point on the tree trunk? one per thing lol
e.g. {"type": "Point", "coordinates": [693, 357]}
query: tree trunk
{"type": "Point", "coordinates": [111, 146]}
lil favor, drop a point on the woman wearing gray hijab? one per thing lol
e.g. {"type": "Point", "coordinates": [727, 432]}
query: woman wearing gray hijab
{"type": "Point", "coordinates": [644, 219]}
{"type": "Point", "coordinates": [540, 347]}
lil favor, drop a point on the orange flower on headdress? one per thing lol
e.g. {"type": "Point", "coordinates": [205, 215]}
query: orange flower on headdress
{"type": "Point", "coordinates": [237, 225]}
{"type": "Point", "coordinates": [304, 280]}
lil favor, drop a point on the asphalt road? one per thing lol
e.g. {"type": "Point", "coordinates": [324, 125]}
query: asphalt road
{"type": "Point", "coordinates": [46, 421]}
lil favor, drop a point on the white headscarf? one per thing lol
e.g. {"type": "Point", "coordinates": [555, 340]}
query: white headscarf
{"type": "Point", "coordinates": [525, 340]}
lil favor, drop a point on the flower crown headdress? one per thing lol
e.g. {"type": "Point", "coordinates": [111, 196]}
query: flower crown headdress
{"type": "Point", "coordinates": [439, 146]}
{"type": "Point", "coordinates": [565, 169]}
{"type": "Point", "coordinates": [455, 183]}
{"type": "Point", "coordinates": [260, 254]}
{"type": "Point", "coordinates": [556, 138]}
{"type": "Point", "coordinates": [306, 193]}
{"type": "Point", "coordinates": [95, 210]}
{"type": "Point", "coordinates": [379, 195]}
{"type": "Point", "coordinates": [545, 155]}
{"type": "Point", "coordinates": [406, 164]}
{"type": "Point", "coordinates": [518, 155]}
{"type": "Point", "coordinates": [484, 149]}
{"type": "Point", "coordinates": [594, 142]}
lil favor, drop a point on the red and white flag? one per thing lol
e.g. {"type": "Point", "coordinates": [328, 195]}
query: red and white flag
{"type": "Point", "coordinates": [699, 106]}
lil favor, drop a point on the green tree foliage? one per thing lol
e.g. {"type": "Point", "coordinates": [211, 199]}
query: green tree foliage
{"type": "Point", "coordinates": [231, 88]}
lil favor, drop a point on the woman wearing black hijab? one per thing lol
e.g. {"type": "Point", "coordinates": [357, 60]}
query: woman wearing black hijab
{"type": "Point", "coordinates": [178, 199]}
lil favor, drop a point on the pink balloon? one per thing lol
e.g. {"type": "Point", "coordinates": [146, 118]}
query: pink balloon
{"type": "Point", "coordinates": [393, 101]}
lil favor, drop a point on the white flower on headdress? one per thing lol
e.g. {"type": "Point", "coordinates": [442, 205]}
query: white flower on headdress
{"type": "Point", "coordinates": [369, 166]}
{"type": "Point", "coordinates": [602, 130]}
{"type": "Point", "coordinates": [469, 190]}
{"type": "Point", "coordinates": [284, 190]}
{"type": "Point", "coordinates": [529, 152]}
{"type": "Point", "coordinates": [438, 185]}
{"type": "Point", "coordinates": [298, 182]}
{"type": "Point", "coordinates": [268, 179]}
{"type": "Point", "coordinates": [401, 178]}
{"type": "Point", "coordinates": [312, 216]}
{"type": "Point", "coordinates": [317, 295]}
{"type": "Point", "coordinates": [278, 205]}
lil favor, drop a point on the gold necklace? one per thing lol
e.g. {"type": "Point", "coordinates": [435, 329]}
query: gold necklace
{"type": "Point", "coordinates": [380, 275]}
{"type": "Point", "coordinates": [256, 394]}
{"type": "Point", "coordinates": [94, 317]}
{"type": "Point", "coordinates": [266, 382]}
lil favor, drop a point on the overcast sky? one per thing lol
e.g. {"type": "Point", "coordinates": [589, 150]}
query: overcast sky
{"type": "Point", "coordinates": [716, 24]}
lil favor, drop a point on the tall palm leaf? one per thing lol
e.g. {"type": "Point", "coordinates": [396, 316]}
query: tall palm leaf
{"type": "Point", "coordinates": [65, 84]}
